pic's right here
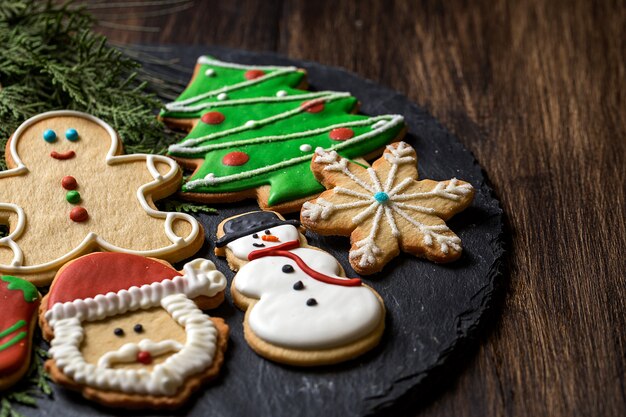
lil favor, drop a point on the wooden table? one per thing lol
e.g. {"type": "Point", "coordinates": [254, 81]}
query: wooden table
{"type": "Point", "coordinates": [537, 90]}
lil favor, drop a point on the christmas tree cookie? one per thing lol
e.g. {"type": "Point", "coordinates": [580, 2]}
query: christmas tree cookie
{"type": "Point", "coordinates": [300, 307]}
{"type": "Point", "coordinates": [254, 132]}
{"type": "Point", "coordinates": [127, 331]}
{"type": "Point", "coordinates": [385, 209]}
{"type": "Point", "coordinates": [70, 191]}
{"type": "Point", "coordinates": [19, 301]}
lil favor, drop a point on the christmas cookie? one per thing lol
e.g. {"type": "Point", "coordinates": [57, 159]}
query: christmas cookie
{"type": "Point", "coordinates": [69, 191]}
{"type": "Point", "coordinates": [300, 307]}
{"type": "Point", "coordinates": [255, 131]}
{"type": "Point", "coordinates": [19, 301]}
{"type": "Point", "coordinates": [385, 209]}
{"type": "Point", "coordinates": [127, 331]}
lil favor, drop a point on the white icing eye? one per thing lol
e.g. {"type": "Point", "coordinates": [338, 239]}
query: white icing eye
{"type": "Point", "coordinates": [210, 72]}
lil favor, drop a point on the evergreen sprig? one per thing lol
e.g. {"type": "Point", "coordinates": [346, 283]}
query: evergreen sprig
{"type": "Point", "coordinates": [51, 59]}
{"type": "Point", "coordinates": [186, 206]}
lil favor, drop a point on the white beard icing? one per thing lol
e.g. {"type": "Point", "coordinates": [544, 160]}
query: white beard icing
{"type": "Point", "coordinates": [128, 353]}
{"type": "Point", "coordinates": [282, 317]}
{"type": "Point", "coordinates": [244, 245]}
{"type": "Point", "coordinates": [165, 378]}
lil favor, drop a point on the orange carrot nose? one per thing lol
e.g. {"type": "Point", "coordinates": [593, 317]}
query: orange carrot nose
{"type": "Point", "coordinates": [270, 238]}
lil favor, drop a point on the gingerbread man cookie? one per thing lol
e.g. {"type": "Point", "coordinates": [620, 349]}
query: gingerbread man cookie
{"type": "Point", "coordinates": [69, 191]}
{"type": "Point", "coordinates": [300, 307]}
{"type": "Point", "coordinates": [19, 301]}
{"type": "Point", "coordinates": [127, 331]}
{"type": "Point", "coordinates": [385, 209]}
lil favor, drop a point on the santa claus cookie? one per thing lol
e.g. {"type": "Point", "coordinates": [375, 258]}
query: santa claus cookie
{"type": "Point", "coordinates": [300, 308]}
{"type": "Point", "coordinates": [69, 191]}
{"type": "Point", "coordinates": [19, 300]}
{"type": "Point", "coordinates": [385, 208]}
{"type": "Point", "coordinates": [127, 331]}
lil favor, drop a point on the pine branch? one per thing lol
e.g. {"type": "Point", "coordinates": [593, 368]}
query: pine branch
{"type": "Point", "coordinates": [185, 206]}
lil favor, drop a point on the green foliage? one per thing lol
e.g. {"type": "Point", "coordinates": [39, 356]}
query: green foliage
{"type": "Point", "coordinates": [185, 206]}
{"type": "Point", "coordinates": [51, 59]}
{"type": "Point", "coordinates": [26, 392]}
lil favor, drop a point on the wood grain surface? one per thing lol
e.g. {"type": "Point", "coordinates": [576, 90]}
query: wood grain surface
{"type": "Point", "coordinates": [536, 89]}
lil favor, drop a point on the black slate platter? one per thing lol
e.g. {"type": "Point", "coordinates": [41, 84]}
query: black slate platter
{"type": "Point", "coordinates": [433, 310]}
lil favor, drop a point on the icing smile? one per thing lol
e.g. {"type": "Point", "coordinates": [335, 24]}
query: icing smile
{"type": "Point", "coordinates": [61, 156]}
{"type": "Point", "coordinates": [143, 352]}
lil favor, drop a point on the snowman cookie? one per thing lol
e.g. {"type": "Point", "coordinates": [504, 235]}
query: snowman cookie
{"type": "Point", "coordinates": [300, 308]}
{"type": "Point", "coordinates": [385, 209]}
{"type": "Point", "coordinates": [19, 301]}
{"type": "Point", "coordinates": [127, 331]}
{"type": "Point", "coordinates": [69, 191]}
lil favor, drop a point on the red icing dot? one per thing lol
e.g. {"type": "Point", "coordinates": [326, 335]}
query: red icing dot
{"type": "Point", "coordinates": [69, 183]}
{"type": "Point", "coordinates": [144, 357]}
{"type": "Point", "coordinates": [213, 118]}
{"type": "Point", "coordinates": [313, 106]}
{"type": "Point", "coordinates": [79, 215]}
{"type": "Point", "coordinates": [235, 159]}
{"type": "Point", "coordinates": [341, 133]}
{"type": "Point", "coordinates": [252, 74]}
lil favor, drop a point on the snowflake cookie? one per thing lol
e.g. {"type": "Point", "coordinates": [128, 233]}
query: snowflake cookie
{"type": "Point", "coordinates": [385, 208]}
{"type": "Point", "coordinates": [70, 191]}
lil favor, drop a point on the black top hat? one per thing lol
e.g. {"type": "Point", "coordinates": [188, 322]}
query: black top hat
{"type": "Point", "coordinates": [250, 223]}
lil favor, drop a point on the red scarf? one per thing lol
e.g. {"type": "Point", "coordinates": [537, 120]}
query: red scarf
{"type": "Point", "coordinates": [284, 250]}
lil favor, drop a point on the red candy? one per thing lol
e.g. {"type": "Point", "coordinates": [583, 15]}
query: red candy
{"type": "Point", "coordinates": [213, 118]}
{"type": "Point", "coordinates": [69, 183]}
{"type": "Point", "coordinates": [313, 106]}
{"type": "Point", "coordinates": [144, 357]}
{"type": "Point", "coordinates": [252, 74]}
{"type": "Point", "coordinates": [79, 215]}
{"type": "Point", "coordinates": [341, 133]}
{"type": "Point", "coordinates": [235, 159]}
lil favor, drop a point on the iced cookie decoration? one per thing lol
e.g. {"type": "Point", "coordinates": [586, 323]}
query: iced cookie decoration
{"type": "Point", "coordinates": [385, 209]}
{"type": "Point", "coordinates": [69, 191]}
{"type": "Point", "coordinates": [19, 301]}
{"type": "Point", "coordinates": [300, 308]}
{"type": "Point", "coordinates": [255, 132]}
{"type": "Point", "coordinates": [127, 331]}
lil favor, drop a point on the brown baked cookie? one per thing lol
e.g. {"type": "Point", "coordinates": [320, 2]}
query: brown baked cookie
{"type": "Point", "coordinates": [385, 209]}
{"type": "Point", "coordinates": [69, 191]}
{"type": "Point", "coordinates": [127, 331]}
{"type": "Point", "coordinates": [19, 301]}
{"type": "Point", "coordinates": [300, 307]}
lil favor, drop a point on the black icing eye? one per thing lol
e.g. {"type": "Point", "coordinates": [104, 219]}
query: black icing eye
{"type": "Point", "coordinates": [118, 331]}
{"type": "Point", "coordinates": [138, 328]}
{"type": "Point", "coordinates": [255, 236]}
{"type": "Point", "coordinates": [267, 232]}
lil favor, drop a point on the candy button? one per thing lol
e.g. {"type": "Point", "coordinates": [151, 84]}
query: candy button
{"type": "Point", "coordinates": [69, 183]}
{"type": "Point", "coordinates": [341, 133]}
{"type": "Point", "coordinates": [311, 302]}
{"type": "Point", "coordinates": [49, 136]}
{"type": "Point", "coordinates": [71, 134]}
{"type": "Point", "coordinates": [72, 197]}
{"type": "Point", "coordinates": [298, 286]}
{"type": "Point", "coordinates": [213, 118]}
{"type": "Point", "coordinates": [79, 215]}
{"type": "Point", "coordinates": [313, 106]}
{"type": "Point", "coordinates": [306, 147]}
{"type": "Point", "coordinates": [287, 269]}
{"type": "Point", "coordinates": [252, 74]}
{"type": "Point", "coordinates": [235, 159]}
{"type": "Point", "coordinates": [209, 72]}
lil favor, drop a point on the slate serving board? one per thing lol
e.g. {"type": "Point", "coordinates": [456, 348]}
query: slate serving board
{"type": "Point", "coordinates": [433, 310]}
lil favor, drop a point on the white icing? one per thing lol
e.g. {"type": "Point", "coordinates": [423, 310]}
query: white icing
{"type": "Point", "coordinates": [128, 353]}
{"type": "Point", "coordinates": [165, 378]}
{"type": "Point", "coordinates": [282, 317]}
{"type": "Point", "coordinates": [367, 251]}
{"type": "Point", "coordinates": [93, 240]}
{"type": "Point", "coordinates": [393, 120]}
{"type": "Point", "coordinates": [242, 247]}
{"type": "Point", "coordinates": [210, 72]}
{"type": "Point", "coordinates": [222, 96]}
{"type": "Point", "coordinates": [281, 93]}
{"type": "Point", "coordinates": [306, 147]}
{"type": "Point", "coordinates": [250, 123]}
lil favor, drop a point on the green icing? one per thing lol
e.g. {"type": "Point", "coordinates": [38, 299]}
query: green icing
{"type": "Point", "coordinates": [21, 335]}
{"type": "Point", "coordinates": [274, 142]}
{"type": "Point", "coordinates": [11, 342]}
{"type": "Point", "coordinates": [29, 290]}
{"type": "Point", "coordinates": [18, 324]}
